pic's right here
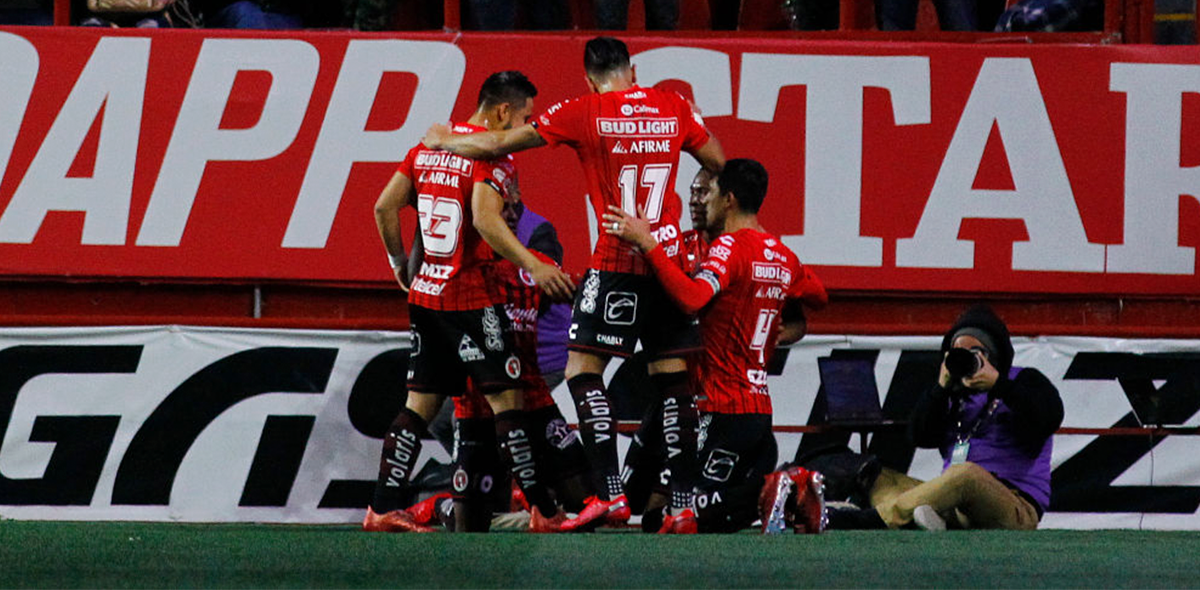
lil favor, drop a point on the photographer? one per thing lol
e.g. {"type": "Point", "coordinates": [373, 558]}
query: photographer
{"type": "Point", "coordinates": [993, 424]}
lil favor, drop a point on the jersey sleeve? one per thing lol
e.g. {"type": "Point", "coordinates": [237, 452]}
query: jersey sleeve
{"type": "Point", "coordinates": [690, 294]}
{"type": "Point", "coordinates": [694, 132]}
{"type": "Point", "coordinates": [808, 288]}
{"type": "Point", "coordinates": [406, 166]}
{"type": "Point", "coordinates": [495, 174]}
{"type": "Point", "coordinates": [563, 123]}
{"type": "Point", "coordinates": [716, 270]}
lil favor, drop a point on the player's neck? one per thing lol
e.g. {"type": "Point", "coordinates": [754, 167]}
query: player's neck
{"type": "Point", "coordinates": [480, 119]}
{"type": "Point", "coordinates": [738, 221]}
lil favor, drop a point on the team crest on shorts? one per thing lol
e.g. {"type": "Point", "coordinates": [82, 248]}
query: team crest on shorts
{"type": "Point", "coordinates": [461, 480]}
{"type": "Point", "coordinates": [513, 367]}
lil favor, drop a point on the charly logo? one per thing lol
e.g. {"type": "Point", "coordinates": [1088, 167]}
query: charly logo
{"type": "Point", "coordinates": [491, 329]}
{"type": "Point", "coordinates": [591, 289]}
{"type": "Point", "coordinates": [720, 465]}
{"type": "Point", "coordinates": [620, 308]}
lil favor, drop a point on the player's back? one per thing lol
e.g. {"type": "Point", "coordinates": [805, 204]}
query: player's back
{"type": "Point", "coordinates": [740, 325]}
{"type": "Point", "coordinates": [451, 276]}
{"type": "Point", "coordinates": [629, 142]}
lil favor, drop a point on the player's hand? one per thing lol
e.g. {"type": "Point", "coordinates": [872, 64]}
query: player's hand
{"type": "Point", "coordinates": [436, 135]}
{"type": "Point", "coordinates": [553, 281]}
{"type": "Point", "coordinates": [401, 277]}
{"type": "Point", "coordinates": [635, 230]}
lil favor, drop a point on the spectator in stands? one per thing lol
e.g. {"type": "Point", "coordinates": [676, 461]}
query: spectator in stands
{"type": "Point", "coordinates": [1048, 16]}
{"type": "Point", "coordinates": [811, 15]}
{"type": "Point", "coordinates": [26, 12]}
{"type": "Point", "coordinates": [993, 424]}
{"type": "Point", "coordinates": [266, 14]}
{"type": "Point", "coordinates": [661, 15]}
{"type": "Point", "coordinates": [502, 15]}
{"type": "Point", "coordinates": [953, 15]}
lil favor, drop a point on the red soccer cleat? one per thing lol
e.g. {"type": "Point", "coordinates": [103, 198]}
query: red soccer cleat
{"type": "Point", "coordinates": [542, 524]}
{"type": "Point", "coordinates": [809, 506]}
{"type": "Point", "coordinates": [773, 501]}
{"type": "Point", "coordinates": [615, 511]}
{"type": "Point", "coordinates": [395, 521]}
{"type": "Point", "coordinates": [518, 503]}
{"type": "Point", "coordinates": [425, 511]}
{"type": "Point", "coordinates": [683, 523]}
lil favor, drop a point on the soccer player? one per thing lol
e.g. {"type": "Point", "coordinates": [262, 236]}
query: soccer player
{"type": "Point", "coordinates": [747, 284]}
{"type": "Point", "coordinates": [557, 447]}
{"type": "Point", "coordinates": [458, 326]}
{"type": "Point", "coordinates": [628, 139]}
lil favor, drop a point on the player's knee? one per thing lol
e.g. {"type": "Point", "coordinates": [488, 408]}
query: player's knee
{"type": "Point", "coordinates": [425, 405]}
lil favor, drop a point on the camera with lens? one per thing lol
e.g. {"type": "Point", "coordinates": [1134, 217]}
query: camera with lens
{"type": "Point", "coordinates": [962, 362]}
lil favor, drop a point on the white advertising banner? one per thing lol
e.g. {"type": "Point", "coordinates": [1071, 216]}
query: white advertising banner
{"type": "Point", "coordinates": [193, 424]}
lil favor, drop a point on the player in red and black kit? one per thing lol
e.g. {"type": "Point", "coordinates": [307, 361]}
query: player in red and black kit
{"type": "Point", "coordinates": [459, 328]}
{"type": "Point", "coordinates": [748, 284]}
{"type": "Point", "coordinates": [476, 481]}
{"type": "Point", "coordinates": [628, 139]}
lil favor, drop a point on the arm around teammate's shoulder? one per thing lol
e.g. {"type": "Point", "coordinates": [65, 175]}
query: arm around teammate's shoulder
{"type": "Point", "coordinates": [485, 145]}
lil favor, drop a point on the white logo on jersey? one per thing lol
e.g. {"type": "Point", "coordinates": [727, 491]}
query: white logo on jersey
{"type": "Point", "coordinates": [772, 273]}
{"type": "Point", "coordinates": [619, 148]}
{"type": "Point", "coordinates": [639, 127]}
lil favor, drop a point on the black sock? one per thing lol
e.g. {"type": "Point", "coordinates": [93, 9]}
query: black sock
{"type": "Point", "coordinates": [517, 450]}
{"type": "Point", "coordinates": [401, 447]}
{"type": "Point", "coordinates": [681, 423]}
{"type": "Point", "coordinates": [598, 428]}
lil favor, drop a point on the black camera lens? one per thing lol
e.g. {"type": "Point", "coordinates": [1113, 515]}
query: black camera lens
{"type": "Point", "coordinates": [961, 362]}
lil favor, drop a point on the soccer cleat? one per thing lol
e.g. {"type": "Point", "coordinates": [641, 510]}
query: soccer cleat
{"type": "Point", "coordinates": [542, 524]}
{"type": "Point", "coordinates": [518, 502]}
{"type": "Point", "coordinates": [683, 523]}
{"type": "Point", "coordinates": [928, 519]}
{"type": "Point", "coordinates": [773, 501]}
{"type": "Point", "coordinates": [809, 505]}
{"type": "Point", "coordinates": [395, 521]}
{"type": "Point", "coordinates": [615, 511]}
{"type": "Point", "coordinates": [425, 511]}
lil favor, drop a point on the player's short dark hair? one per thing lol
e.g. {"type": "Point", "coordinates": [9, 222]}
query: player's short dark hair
{"type": "Point", "coordinates": [605, 54]}
{"type": "Point", "coordinates": [509, 86]}
{"type": "Point", "coordinates": [747, 180]}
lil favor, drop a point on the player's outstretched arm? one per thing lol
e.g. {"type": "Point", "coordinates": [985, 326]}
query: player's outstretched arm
{"type": "Point", "coordinates": [395, 196]}
{"type": "Point", "coordinates": [486, 145]}
{"type": "Point", "coordinates": [486, 206]}
{"type": "Point", "coordinates": [688, 293]}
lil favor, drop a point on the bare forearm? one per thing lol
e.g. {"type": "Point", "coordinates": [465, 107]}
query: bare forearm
{"type": "Point", "coordinates": [496, 233]}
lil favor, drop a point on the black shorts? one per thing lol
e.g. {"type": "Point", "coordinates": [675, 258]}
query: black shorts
{"type": "Point", "coordinates": [449, 346]}
{"type": "Point", "coordinates": [735, 448]}
{"type": "Point", "coordinates": [613, 310]}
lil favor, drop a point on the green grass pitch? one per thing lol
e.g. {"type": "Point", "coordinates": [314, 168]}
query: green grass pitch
{"type": "Point", "coordinates": [158, 555]}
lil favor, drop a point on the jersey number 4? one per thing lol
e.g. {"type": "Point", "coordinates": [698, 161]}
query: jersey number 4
{"type": "Point", "coordinates": [654, 177]}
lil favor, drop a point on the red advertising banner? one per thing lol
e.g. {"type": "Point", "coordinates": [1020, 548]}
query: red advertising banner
{"type": "Point", "coordinates": [220, 155]}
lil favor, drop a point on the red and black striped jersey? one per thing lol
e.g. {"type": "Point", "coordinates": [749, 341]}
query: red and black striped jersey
{"type": "Point", "coordinates": [752, 274]}
{"type": "Point", "coordinates": [451, 277]}
{"type": "Point", "coordinates": [629, 143]}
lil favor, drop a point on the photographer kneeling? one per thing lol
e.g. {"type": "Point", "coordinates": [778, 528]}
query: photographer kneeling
{"type": "Point", "coordinates": [993, 424]}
